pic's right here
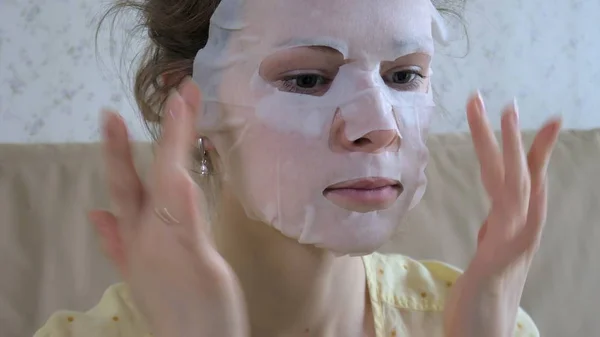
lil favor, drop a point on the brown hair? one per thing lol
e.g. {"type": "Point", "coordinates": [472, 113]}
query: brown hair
{"type": "Point", "coordinates": [177, 29]}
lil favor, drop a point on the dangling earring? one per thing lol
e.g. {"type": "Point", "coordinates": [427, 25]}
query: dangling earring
{"type": "Point", "coordinates": [204, 160]}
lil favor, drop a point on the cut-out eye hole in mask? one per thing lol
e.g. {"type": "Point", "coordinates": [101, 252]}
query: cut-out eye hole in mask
{"type": "Point", "coordinates": [276, 145]}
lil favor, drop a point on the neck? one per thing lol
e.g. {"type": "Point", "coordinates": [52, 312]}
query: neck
{"type": "Point", "coordinates": [291, 289]}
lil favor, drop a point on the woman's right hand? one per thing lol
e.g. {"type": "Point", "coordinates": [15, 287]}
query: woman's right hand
{"type": "Point", "coordinates": [158, 236]}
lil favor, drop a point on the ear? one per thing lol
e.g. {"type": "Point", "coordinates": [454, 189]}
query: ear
{"type": "Point", "coordinates": [207, 143]}
{"type": "Point", "coordinates": [190, 92]}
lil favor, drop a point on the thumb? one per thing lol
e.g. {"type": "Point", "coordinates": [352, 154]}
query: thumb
{"type": "Point", "coordinates": [107, 227]}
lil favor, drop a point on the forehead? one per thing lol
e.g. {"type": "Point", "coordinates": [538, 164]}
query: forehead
{"type": "Point", "coordinates": [351, 26]}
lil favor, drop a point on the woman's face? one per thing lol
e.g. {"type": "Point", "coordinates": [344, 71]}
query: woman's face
{"type": "Point", "coordinates": [318, 110]}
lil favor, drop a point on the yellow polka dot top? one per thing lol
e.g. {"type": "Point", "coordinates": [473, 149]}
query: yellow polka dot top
{"type": "Point", "coordinates": [407, 297]}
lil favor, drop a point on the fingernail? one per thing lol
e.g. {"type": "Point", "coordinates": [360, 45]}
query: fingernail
{"type": "Point", "coordinates": [480, 103]}
{"type": "Point", "coordinates": [556, 119]}
{"type": "Point", "coordinates": [104, 116]}
{"type": "Point", "coordinates": [107, 125]}
{"type": "Point", "coordinates": [173, 113]}
{"type": "Point", "coordinates": [515, 109]}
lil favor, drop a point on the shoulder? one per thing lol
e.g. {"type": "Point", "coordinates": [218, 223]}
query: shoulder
{"type": "Point", "coordinates": [399, 283]}
{"type": "Point", "coordinates": [114, 315]}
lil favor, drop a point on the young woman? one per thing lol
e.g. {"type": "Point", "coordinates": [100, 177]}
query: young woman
{"type": "Point", "coordinates": [309, 121]}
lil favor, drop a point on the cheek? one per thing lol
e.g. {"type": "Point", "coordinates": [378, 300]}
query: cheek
{"type": "Point", "coordinates": [261, 151]}
{"type": "Point", "coordinates": [266, 167]}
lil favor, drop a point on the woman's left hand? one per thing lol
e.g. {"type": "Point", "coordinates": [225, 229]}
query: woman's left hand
{"type": "Point", "coordinates": [485, 300]}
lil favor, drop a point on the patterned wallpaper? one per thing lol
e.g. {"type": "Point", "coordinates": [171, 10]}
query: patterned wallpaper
{"type": "Point", "coordinates": [546, 53]}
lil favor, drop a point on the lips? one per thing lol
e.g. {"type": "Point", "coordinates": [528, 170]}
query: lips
{"type": "Point", "coordinates": [365, 184]}
{"type": "Point", "coordinates": [364, 195]}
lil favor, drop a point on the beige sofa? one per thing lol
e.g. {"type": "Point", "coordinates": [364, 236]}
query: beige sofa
{"type": "Point", "coordinates": [49, 257]}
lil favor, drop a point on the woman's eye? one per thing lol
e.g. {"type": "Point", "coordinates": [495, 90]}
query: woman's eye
{"type": "Point", "coordinates": [309, 84]}
{"type": "Point", "coordinates": [308, 81]}
{"type": "Point", "coordinates": [405, 79]}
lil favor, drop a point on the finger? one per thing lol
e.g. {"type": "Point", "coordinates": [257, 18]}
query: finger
{"type": "Point", "coordinates": [516, 175]}
{"type": "Point", "coordinates": [108, 228]}
{"type": "Point", "coordinates": [528, 238]}
{"type": "Point", "coordinates": [540, 152]}
{"type": "Point", "coordinates": [126, 189]}
{"type": "Point", "coordinates": [486, 146]}
{"type": "Point", "coordinates": [173, 187]}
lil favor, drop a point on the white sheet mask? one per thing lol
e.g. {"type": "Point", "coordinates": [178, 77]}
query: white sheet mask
{"type": "Point", "coordinates": [275, 145]}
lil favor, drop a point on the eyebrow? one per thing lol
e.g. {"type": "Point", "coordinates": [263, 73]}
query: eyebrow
{"type": "Point", "coordinates": [413, 45]}
{"type": "Point", "coordinates": [323, 45]}
{"type": "Point", "coordinates": [419, 44]}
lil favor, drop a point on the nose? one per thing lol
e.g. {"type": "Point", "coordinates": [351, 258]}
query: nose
{"type": "Point", "coordinates": [375, 141]}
